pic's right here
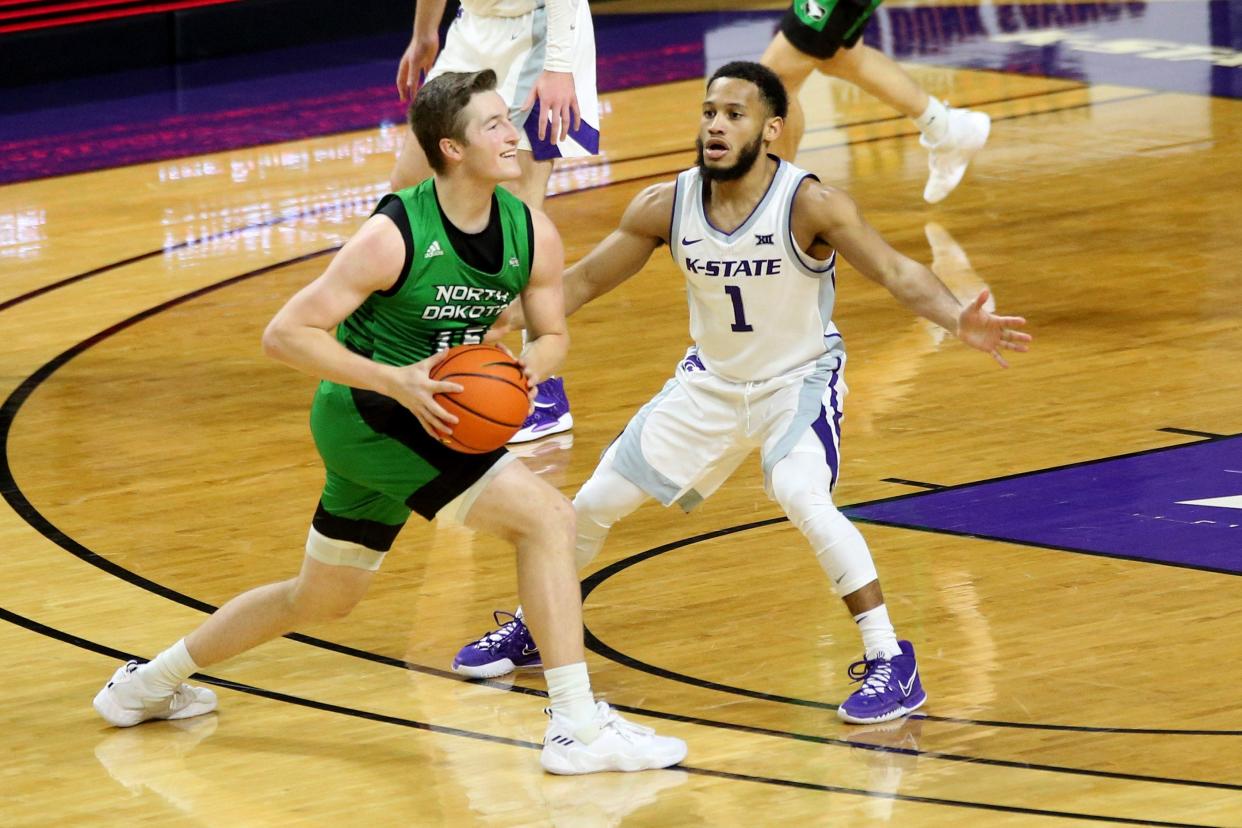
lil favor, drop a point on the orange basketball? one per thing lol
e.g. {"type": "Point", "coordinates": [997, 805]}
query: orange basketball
{"type": "Point", "coordinates": [493, 403]}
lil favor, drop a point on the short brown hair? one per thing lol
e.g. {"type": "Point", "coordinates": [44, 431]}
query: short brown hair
{"type": "Point", "coordinates": [437, 110]}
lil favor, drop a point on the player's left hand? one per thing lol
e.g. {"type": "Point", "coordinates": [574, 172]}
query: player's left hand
{"type": "Point", "coordinates": [558, 104]}
{"type": "Point", "coordinates": [414, 66]}
{"type": "Point", "coordinates": [982, 329]}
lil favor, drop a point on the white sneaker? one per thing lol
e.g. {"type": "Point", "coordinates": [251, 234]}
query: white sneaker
{"type": "Point", "coordinates": [947, 161]}
{"type": "Point", "coordinates": [608, 743]}
{"type": "Point", "coordinates": [122, 704]}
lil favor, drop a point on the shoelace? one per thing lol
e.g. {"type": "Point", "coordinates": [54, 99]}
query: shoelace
{"type": "Point", "coordinates": [624, 728]}
{"type": "Point", "coordinates": [497, 637]}
{"type": "Point", "coordinates": [874, 673]}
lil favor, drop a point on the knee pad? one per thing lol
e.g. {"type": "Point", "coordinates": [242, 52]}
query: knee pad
{"type": "Point", "coordinates": [800, 484]}
{"type": "Point", "coordinates": [602, 501]}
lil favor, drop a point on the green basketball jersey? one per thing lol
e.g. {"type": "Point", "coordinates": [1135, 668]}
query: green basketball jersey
{"type": "Point", "coordinates": [439, 300]}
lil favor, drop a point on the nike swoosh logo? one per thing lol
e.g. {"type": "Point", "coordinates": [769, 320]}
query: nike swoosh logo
{"type": "Point", "coordinates": [687, 242]}
{"type": "Point", "coordinates": [906, 686]}
{"type": "Point", "coordinates": [529, 650]}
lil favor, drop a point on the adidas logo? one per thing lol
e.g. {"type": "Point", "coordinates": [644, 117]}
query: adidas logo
{"type": "Point", "coordinates": [433, 251]}
{"type": "Point", "coordinates": [513, 262]}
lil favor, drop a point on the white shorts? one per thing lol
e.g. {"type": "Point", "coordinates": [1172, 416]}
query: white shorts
{"type": "Point", "coordinates": [513, 47]}
{"type": "Point", "coordinates": [691, 436]}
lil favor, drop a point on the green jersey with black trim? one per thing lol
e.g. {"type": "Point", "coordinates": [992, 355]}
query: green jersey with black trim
{"type": "Point", "coordinates": [439, 300]}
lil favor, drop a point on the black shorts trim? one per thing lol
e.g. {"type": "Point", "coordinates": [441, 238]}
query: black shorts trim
{"type": "Point", "coordinates": [369, 533]}
{"type": "Point", "coordinates": [846, 22]}
{"type": "Point", "coordinates": [457, 471]}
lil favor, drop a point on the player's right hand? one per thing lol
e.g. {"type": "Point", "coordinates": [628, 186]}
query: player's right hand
{"type": "Point", "coordinates": [414, 388]}
{"type": "Point", "coordinates": [414, 66]}
{"type": "Point", "coordinates": [558, 105]}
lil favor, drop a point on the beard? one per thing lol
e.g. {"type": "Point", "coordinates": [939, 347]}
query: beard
{"type": "Point", "coordinates": [746, 159]}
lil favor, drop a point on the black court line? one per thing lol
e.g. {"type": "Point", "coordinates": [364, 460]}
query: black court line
{"type": "Point", "coordinates": [150, 254]}
{"type": "Point", "coordinates": [382, 718]}
{"type": "Point", "coordinates": [22, 506]}
{"type": "Point", "coordinates": [916, 483]}
{"type": "Point", "coordinates": [1192, 433]}
{"type": "Point", "coordinates": [17, 500]}
{"type": "Point", "coordinates": [596, 645]}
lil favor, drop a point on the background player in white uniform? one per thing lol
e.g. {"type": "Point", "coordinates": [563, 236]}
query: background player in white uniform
{"type": "Point", "coordinates": [757, 240]}
{"type": "Point", "coordinates": [543, 53]}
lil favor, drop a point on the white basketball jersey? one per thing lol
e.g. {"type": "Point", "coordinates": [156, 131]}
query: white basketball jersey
{"type": "Point", "coordinates": [759, 306]}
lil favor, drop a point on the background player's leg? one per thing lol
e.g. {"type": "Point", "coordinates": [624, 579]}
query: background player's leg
{"type": "Point", "coordinates": [793, 68]}
{"type": "Point", "coordinates": [411, 167]}
{"type": "Point", "coordinates": [881, 76]}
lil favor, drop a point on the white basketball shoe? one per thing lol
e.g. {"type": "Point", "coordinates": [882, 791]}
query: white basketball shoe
{"type": "Point", "coordinates": [124, 702]}
{"type": "Point", "coordinates": [608, 743]}
{"type": "Point", "coordinates": [948, 158]}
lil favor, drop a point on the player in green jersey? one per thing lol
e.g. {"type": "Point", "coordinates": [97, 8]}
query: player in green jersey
{"type": "Point", "coordinates": [432, 268]}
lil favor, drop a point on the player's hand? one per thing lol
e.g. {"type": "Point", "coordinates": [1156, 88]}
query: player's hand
{"type": "Point", "coordinates": [414, 66]}
{"type": "Point", "coordinates": [558, 104]}
{"type": "Point", "coordinates": [415, 389]}
{"type": "Point", "coordinates": [979, 328]}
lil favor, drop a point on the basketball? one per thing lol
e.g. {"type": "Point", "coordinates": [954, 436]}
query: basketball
{"type": "Point", "coordinates": [493, 402]}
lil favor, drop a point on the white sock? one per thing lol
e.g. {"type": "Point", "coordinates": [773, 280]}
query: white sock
{"type": "Point", "coordinates": [569, 691]}
{"type": "Point", "coordinates": [879, 640]}
{"type": "Point", "coordinates": [934, 122]}
{"type": "Point", "coordinates": [169, 669]}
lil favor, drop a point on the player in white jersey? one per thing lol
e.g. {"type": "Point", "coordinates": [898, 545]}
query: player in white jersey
{"type": "Point", "coordinates": [543, 53]}
{"type": "Point", "coordinates": [757, 239]}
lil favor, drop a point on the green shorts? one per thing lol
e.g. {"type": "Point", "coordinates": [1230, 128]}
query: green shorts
{"type": "Point", "coordinates": [381, 465]}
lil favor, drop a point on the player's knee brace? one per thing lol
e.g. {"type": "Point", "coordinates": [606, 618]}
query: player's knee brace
{"type": "Point", "coordinates": [800, 483]}
{"type": "Point", "coordinates": [602, 501]}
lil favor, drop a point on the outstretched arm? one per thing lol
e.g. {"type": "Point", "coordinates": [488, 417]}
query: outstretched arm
{"type": "Point", "coordinates": [831, 215]}
{"type": "Point", "coordinates": [618, 257]}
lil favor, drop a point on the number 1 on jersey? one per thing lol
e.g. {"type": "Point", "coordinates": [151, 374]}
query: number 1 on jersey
{"type": "Point", "coordinates": [739, 313]}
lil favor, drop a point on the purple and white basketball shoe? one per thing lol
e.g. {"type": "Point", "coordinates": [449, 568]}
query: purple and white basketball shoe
{"type": "Point", "coordinates": [890, 688]}
{"type": "Point", "coordinates": [500, 651]}
{"type": "Point", "coordinates": [551, 414]}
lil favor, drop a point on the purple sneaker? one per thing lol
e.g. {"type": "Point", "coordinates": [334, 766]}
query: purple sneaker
{"type": "Point", "coordinates": [890, 688]}
{"type": "Point", "coordinates": [551, 414]}
{"type": "Point", "coordinates": [500, 651]}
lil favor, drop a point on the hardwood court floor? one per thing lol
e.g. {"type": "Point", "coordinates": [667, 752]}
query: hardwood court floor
{"type": "Point", "coordinates": [156, 464]}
